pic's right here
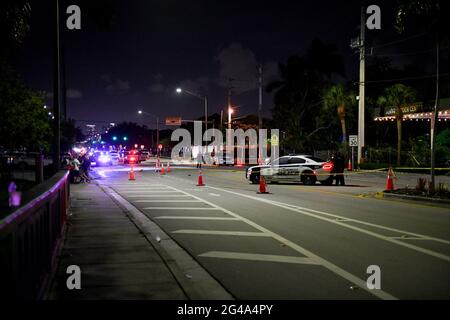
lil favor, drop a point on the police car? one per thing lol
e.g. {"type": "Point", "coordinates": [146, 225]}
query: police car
{"type": "Point", "coordinates": [305, 169]}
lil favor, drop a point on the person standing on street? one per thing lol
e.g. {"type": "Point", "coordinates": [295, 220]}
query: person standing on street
{"type": "Point", "coordinates": [339, 164]}
{"type": "Point", "coordinates": [199, 160]}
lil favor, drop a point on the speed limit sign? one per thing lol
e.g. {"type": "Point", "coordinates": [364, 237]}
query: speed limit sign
{"type": "Point", "coordinates": [353, 141]}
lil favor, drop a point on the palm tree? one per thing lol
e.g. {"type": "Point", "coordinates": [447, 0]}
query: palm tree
{"type": "Point", "coordinates": [337, 97]}
{"type": "Point", "coordinates": [397, 96]}
{"type": "Point", "coordinates": [298, 91]}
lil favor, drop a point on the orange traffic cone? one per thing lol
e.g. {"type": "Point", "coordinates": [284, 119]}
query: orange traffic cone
{"type": "Point", "coordinates": [168, 167]}
{"type": "Point", "coordinates": [200, 179]}
{"type": "Point", "coordinates": [131, 175]}
{"type": "Point", "coordinates": [262, 186]}
{"type": "Point", "coordinates": [349, 167]}
{"type": "Point", "coordinates": [390, 179]}
{"type": "Point", "coordinates": [162, 169]}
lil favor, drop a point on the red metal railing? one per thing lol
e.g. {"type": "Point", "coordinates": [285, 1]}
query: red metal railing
{"type": "Point", "coordinates": [29, 237]}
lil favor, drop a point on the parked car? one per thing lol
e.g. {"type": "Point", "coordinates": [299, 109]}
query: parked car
{"type": "Point", "coordinates": [25, 160]}
{"type": "Point", "coordinates": [304, 169]}
{"type": "Point", "coordinates": [225, 160]}
{"type": "Point", "coordinates": [144, 154]}
{"type": "Point", "coordinates": [114, 156]}
{"type": "Point", "coordinates": [101, 158]}
{"type": "Point", "coordinates": [131, 157]}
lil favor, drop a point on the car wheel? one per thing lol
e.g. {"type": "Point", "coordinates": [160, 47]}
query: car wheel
{"type": "Point", "coordinates": [308, 179]}
{"type": "Point", "coordinates": [327, 182]}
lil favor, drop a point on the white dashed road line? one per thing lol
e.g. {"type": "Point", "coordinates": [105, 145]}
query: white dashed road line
{"type": "Point", "coordinates": [193, 218]}
{"type": "Point", "coordinates": [257, 257]}
{"type": "Point", "coordinates": [317, 259]}
{"type": "Point", "coordinates": [312, 213]}
{"type": "Point", "coordinates": [173, 200]}
{"type": "Point", "coordinates": [221, 233]}
{"type": "Point", "coordinates": [178, 208]}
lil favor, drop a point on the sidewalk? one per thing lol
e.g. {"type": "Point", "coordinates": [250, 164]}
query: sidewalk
{"type": "Point", "coordinates": [116, 260]}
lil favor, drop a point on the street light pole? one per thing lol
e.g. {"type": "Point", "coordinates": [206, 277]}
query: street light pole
{"type": "Point", "coordinates": [206, 113]}
{"type": "Point", "coordinates": [205, 100]}
{"type": "Point", "coordinates": [361, 109]}
{"type": "Point", "coordinates": [260, 74]}
{"type": "Point", "coordinates": [230, 111]}
{"type": "Point", "coordinates": [56, 95]}
{"type": "Point", "coordinates": [157, 132]}
{"type": "Point", "coordinates": [157, 126]}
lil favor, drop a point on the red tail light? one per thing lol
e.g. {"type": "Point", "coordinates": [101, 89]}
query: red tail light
{"type": "Point", "coordinates": [328, 166]}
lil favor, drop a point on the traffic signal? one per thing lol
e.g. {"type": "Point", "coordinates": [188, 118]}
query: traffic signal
{"type": "Point", "coordinates": [125, 138]}
{"type": "Point", "coordinates": [114, 138]}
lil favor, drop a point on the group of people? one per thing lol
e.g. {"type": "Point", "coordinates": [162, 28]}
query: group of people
{"type": "Point", "coordinates": [79, 167]}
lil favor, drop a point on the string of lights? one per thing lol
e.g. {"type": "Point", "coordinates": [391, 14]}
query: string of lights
{"type": "Point", "coordinates": [422, 116]}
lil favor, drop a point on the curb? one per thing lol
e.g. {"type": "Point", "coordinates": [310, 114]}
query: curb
{"type": "Point", "coordinates": [415, 198]}
{"type": "Point", "coordinates": [196, 282]}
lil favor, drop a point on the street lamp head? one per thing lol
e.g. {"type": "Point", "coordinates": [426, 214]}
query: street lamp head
{"type": "Point", "coordinates": [179, 90]}
{"type": "Point", "coordinates": [140, 111]}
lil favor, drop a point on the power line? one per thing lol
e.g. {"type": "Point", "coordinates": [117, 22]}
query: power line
{"type": "Point", "coordinates": [402, 54]}
{"type": "Point", "coordinates": [407, 78]}
{"type": "Point", "coordinates": [398, 41]}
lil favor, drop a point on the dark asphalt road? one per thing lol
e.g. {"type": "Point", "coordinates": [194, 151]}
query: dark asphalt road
{"type": "Point", "coordinates": [299, 242]}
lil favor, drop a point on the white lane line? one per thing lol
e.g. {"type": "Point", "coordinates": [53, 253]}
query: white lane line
{"type": "Point", "coordinates": [306, 212]}
{"type": "Point", "coordinates": [409, 238]}
{"type": "Point", "coordinates": [142, 185]}
{"type": "Point", "coordinates": [222, 233]}
{"type": "Point", "coordinates": [257, 257]}
{"type": "Point", "coordinates": [147, 192]}
{"type": "Point", "coordinates": [214, 194]}
{"type": "Point", "coordinates": [178, 208]}
{"type": "Point", "coordinates": [143, 188]}
{"type": "Point", "coordinates": [174, 200]}
{"type": "Point", "coordinates": [327, 264]}
{"type": "Point", "coordinates": [158, 195]}
{"type": "Point", "coordinates": [193, 218]}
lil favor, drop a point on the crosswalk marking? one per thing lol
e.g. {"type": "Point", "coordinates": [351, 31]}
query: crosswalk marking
{"type": "Point", "coordinates": [257, 257]}
{"type": "Point", "coordinates": [222, 233]}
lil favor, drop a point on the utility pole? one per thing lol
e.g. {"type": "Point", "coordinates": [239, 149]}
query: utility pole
{"type": "Point", "coordinates": [63, 82]}
{"type": "Point", "coordinates": [157, 132]}
{"type": "Point", "coordinates": [229, 107]}
{"type": "Point", "coordinates": [260, 84]}
{"type": "Point", "coordinates": [361, 109]}
{"type": "Point", "coordinates": [434, 118]}
{"type": "Point", "coordinates": [260, 81]}
{"type": "Point", "coordinates": [56, 94]}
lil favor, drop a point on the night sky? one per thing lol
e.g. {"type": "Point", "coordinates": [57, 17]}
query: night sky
{"type": "Point", "coordinates": [152, 47]}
